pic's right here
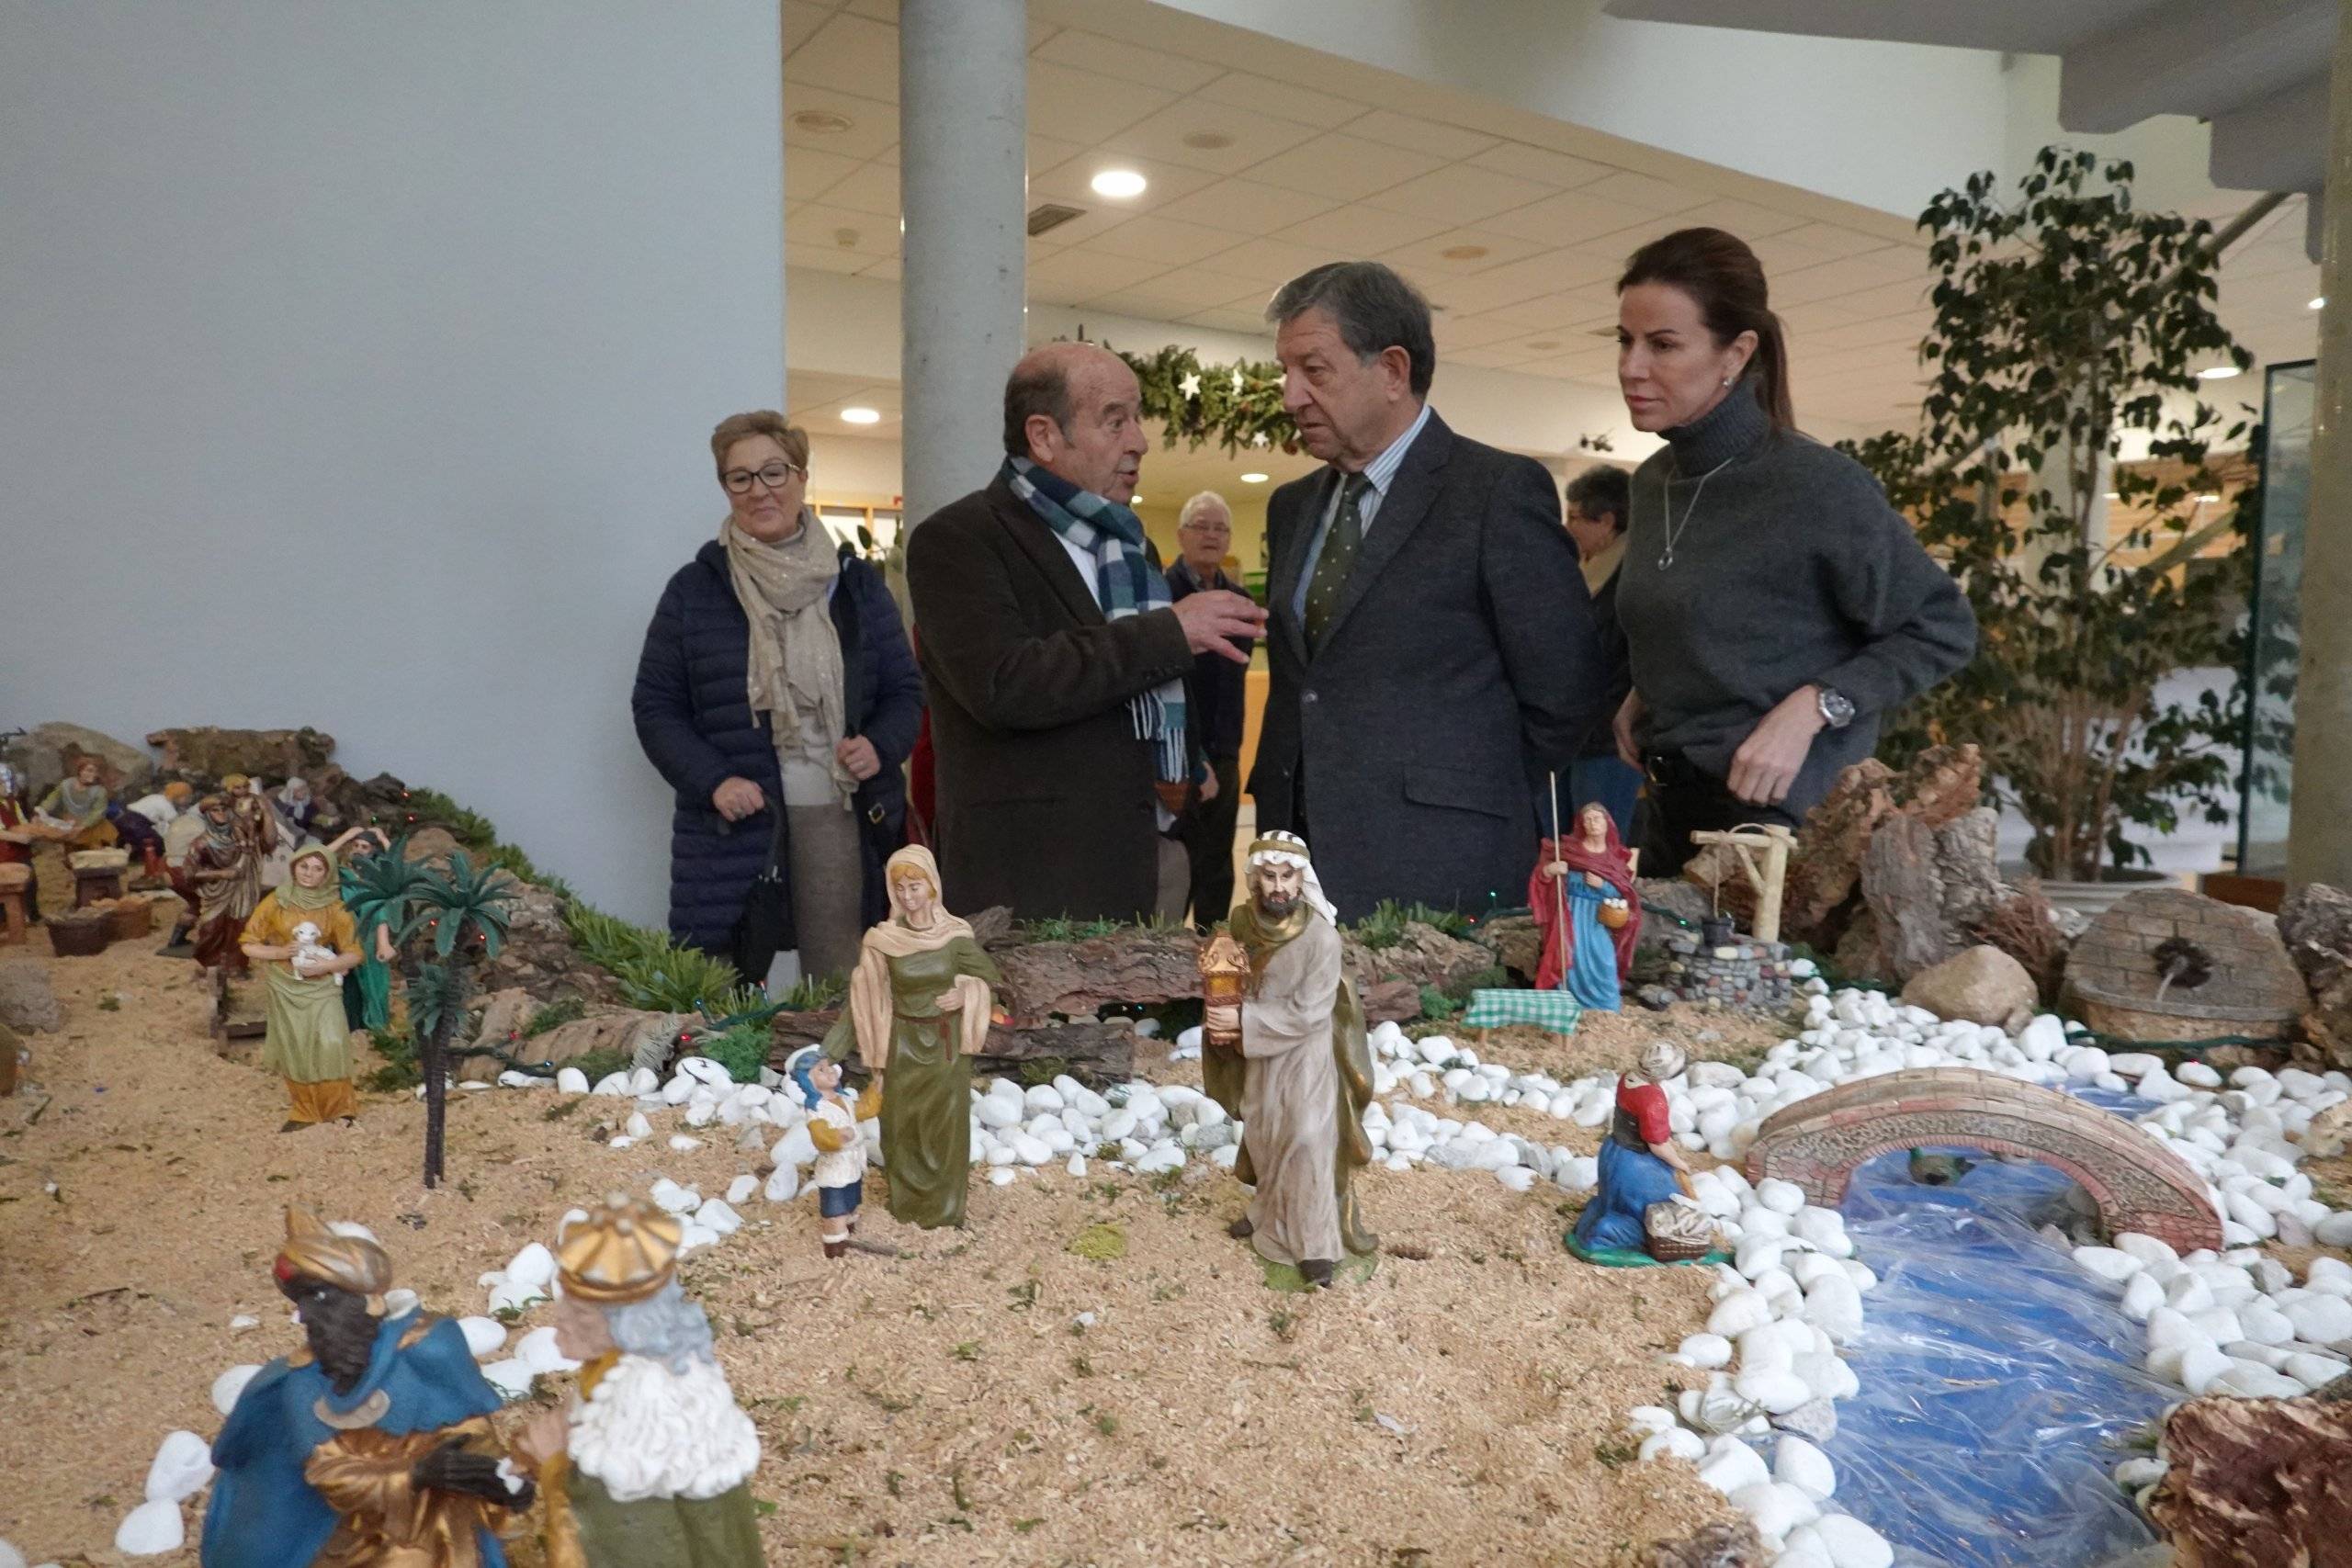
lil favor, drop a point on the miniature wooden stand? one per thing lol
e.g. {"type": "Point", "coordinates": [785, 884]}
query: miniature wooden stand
{"type": "Point", "coordinates": [1775, 842]}
{"type": "Point", "coordinates": [92, 883]}
{"type": "Point", "coordinates": [15, 888]}
{"type": "Point", "coordinates": [228, 1024]}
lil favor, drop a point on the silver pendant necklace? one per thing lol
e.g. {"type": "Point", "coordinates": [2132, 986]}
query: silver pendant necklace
{"type": "Point", "coordinates": [1666, 501]}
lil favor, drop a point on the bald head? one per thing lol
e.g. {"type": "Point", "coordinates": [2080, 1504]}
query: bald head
{"type": "Point", "coordinates": [1074, 408]}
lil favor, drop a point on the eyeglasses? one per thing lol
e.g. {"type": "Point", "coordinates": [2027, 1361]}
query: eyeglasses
{"type": "Point", "coordinates": [775, 476]}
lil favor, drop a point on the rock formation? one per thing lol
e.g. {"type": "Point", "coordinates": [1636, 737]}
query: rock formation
{"type": "Point", "coordinates": [2315, 922]}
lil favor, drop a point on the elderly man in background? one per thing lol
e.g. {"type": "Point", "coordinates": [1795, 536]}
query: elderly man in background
{"type": "Point", "coordinates": [1599, 502]}
{"type": "Point", "coordinates": [1214, 696]}
{"type": "Point", "coordinates": [1432, 644]}
{"type": "Point", "coordinates": [1055, 661]}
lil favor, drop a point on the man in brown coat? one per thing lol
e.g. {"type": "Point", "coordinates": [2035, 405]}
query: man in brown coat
{"type": "Point", "coordinates": [1053, 661]}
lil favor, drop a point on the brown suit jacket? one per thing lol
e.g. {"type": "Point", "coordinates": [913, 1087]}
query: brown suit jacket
{"type": "Point", "coordinates": [1045, 799]}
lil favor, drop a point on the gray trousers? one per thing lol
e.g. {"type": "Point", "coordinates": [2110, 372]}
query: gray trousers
{"type": "Point", "coordinates": [1175, 889]}
{"type": "Point", "coordinates": [828, 887]}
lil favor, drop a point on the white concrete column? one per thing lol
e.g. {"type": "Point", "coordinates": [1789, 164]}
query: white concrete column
{"type": "Point", "coordinates": [963, 116]}
{"type": "Point", "coordinates": [2319, 837]}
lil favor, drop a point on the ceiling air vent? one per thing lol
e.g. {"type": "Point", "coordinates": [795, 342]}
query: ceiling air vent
{"type": "Point", "coordinates": [1051, 215]}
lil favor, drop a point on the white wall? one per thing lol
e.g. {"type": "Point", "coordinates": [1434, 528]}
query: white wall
{"type": "Point", "coordinates": [1886, 125]}
{"type": "Point", "coordinates": [360, 360]}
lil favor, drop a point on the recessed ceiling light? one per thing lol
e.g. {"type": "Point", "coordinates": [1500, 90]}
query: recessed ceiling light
{"type": "Point", "coordinates": [2209, 497]}
{"type": "Point", "coordinates": [821, 122]}
{"type": "Point", "coordinates": [2218, 372]}
{"type": "Point", "coordinates": [1119, 185]}
{"type": "Point", "coordinates": [1207, 140]}
{"type": "Point", "coordinates": [2318, 304]}
{"type": "Point", "coordinates": [1253, 479]}
{"type": "Point", "coordinates": [861, 416]}
{"type": "Point", "coordinates": [1463, 252]}
{"type": "Point", "coordinates": [2115, 495]}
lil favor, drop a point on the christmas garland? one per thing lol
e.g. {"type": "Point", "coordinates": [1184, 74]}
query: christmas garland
{"type": "Point", "coordinates": [1238, 405]}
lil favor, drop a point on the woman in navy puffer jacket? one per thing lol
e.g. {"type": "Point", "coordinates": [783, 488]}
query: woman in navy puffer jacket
{"type": "Point", "coordinates": [826, 668]}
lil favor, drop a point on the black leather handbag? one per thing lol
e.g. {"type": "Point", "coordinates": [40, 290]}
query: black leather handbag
{"type": "Point", "coordinates": [764, 929]}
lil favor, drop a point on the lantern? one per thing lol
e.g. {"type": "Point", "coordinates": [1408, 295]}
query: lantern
{"type": "Point", "coordinates": [1224, 980]}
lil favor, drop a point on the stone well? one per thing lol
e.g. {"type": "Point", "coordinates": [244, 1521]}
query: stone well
{"type": "Point", "coordinates": [2112, 976]}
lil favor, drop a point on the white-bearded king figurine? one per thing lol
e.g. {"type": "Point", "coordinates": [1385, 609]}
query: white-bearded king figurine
{"type": "Point", "coordinates": [651, 1466]}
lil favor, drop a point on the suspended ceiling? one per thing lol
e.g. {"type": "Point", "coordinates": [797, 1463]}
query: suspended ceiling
{"type": "Point", "coordinates": [1251, 180]}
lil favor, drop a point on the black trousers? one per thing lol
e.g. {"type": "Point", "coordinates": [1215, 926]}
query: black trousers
{"type": "Point", "coordinates": [1684, 800]}
{"type": "Point", "coordinates": [1208, 835]}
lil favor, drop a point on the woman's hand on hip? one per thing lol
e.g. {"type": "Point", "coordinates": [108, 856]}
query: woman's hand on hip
{"type": "Point", "coordinates": [857, 754]}
{"type": "Point", "coordinates": [738, 798]}
{"type": "Point", "coordinates": [1767, 763]}
{"type": "Point", "coordinates": [1629, 715]}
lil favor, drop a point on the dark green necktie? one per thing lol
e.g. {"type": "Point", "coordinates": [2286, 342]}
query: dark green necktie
{"type": "Point", "coordinates": [1331, 568]}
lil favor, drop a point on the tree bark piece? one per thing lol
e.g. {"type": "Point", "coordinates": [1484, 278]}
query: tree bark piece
{"type": "Point", "coordinates": [1144, 966]}
{"type": "Point", "coordinates": [1900, 884]}
{"type": "Point", "coordinates": [1829, 861]}
{"type": "Point", "coordinates": [2256, 1482]}
{"type": "Point", "coordinates": [2315, 922]}
{"type": "Point", "coordinates": [263, 753]}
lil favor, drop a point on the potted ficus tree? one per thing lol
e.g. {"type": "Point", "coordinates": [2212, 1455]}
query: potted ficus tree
{"type": "Point", "coordinates": [2062, 469]}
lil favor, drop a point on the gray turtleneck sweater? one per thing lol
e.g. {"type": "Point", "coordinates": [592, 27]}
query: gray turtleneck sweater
{"type": "Point", "coordinates": [1792, 568]}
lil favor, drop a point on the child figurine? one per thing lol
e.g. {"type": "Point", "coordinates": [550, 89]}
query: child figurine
{"type": "Point", "coordinates": [838, 1174]}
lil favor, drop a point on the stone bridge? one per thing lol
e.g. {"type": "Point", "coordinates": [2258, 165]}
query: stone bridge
{"type": "Point", "coordinates": [2138, 1184]}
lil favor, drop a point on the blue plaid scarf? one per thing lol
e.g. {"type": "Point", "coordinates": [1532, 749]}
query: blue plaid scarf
{"type": "Point", "coordinates": [1126, 584]}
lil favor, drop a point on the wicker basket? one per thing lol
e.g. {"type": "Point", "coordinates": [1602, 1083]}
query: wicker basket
{"type": "Point", "coordinates": [81, 934]}
{"type": "Point", "coordinates": [128, 918]}
{"type": "Point", "coordinates": [1661, 1242]}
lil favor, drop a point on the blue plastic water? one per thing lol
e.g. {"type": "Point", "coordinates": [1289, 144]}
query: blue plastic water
{"type": "Point", "coordinates": [1999, 1381]}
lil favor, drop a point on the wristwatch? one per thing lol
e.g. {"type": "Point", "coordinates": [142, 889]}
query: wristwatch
{"type": "Point", "coordinates": [1836, 707]}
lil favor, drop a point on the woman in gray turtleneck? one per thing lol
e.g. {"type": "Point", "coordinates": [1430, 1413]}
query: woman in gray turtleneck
{"type": "Point", "coordinates": [1774, 605]}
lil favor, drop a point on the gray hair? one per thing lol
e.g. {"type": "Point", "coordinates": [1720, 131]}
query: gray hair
{"type": "Point", "coordinates": [665, 1327]}
{"type": "Point", "coordinates": [1603, 491]}
{"type": "Point", "coordinates": [1376, 310]}
{"type": "Point", "coordinates": [1200, 503]}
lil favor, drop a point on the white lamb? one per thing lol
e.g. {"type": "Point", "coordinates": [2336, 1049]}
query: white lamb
{"type": "Point", "coordinates": [310, 954]}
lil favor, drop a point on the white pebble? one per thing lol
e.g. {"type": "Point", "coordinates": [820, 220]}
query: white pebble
{"type": "Point", "coordinates": [2107, 1263]}
{"type": "Point", "coordinates": [1707, 1351]}
{"type": "Point", "coordinates": [151, 1529]}
{"type": "Point", "coordinates": [484, 1334]}
{"type": "Point", "coordinates": [1799, 1464]}
{"type": "Point", "coordinates": [229, 1386]}
{"type": "Point", "coordinates": [181, 1466]}
{"type": "Point", "coordinates": [1852, 1543]}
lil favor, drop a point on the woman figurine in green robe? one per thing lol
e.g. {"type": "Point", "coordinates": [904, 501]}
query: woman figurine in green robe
{"type": "Point", "coordinates": [917, 1014]}
{"type": "Point", "coordinates": [367, 999]}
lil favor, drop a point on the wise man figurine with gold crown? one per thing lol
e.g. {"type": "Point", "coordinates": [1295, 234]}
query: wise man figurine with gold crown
{"type": "Point", "coordinates": [370, 1447]}
{"type": "Point", "coordinates": [651, 1466]}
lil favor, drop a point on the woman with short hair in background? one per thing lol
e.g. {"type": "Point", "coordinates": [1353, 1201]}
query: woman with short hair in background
{"type": "Point", "coordinates": [775, 677]}
{"type": "Point", "coordinates": [1774, 606]}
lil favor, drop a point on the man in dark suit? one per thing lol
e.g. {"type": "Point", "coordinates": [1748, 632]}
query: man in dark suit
{"type": "Point", "coordinates": [1431, 642]}
{"type": "Point", "coordinates": [1214, 696]}
{"type": "Point", "coordinates": [1055, 661]}
{"type": "Point", "coordinates": [1600, 501]}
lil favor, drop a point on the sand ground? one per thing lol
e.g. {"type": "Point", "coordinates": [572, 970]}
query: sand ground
{"type": "Point", "coordinates": [1464, 1405]}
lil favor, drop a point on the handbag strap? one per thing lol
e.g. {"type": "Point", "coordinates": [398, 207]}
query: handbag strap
{"type": "Point", "coordinates": [777, 851]}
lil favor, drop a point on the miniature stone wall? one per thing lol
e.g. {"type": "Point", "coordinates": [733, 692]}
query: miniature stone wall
{"type": "Point", "coordinates": [2138, 1184]}
{"type": "Point", "coordinates": [1742, 973]}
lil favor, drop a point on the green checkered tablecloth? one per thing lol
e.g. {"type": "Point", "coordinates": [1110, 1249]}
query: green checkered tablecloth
{"type": "Point", "coordinates": [1555, 1013]}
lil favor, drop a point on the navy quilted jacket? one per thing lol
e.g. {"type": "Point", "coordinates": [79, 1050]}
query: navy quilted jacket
{"type": "Point", "coordinates": [696, 725]}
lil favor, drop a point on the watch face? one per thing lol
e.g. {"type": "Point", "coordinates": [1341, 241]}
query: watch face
{"type": "Point", "coordinates": [1836, 707]}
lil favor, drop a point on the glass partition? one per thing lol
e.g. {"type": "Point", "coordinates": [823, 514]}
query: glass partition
{"type": "Point", "coordinates": [2267, 782]}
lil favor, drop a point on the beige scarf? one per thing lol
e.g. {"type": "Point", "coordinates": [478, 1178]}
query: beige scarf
{"type": "Point", "coordinates": [871, 1005]}
{"type": "Point", "coordinates": [795, 668]}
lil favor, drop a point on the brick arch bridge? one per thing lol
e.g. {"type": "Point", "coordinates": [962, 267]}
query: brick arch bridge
{"type": "Point", "coordinates": [2138, 1184]}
